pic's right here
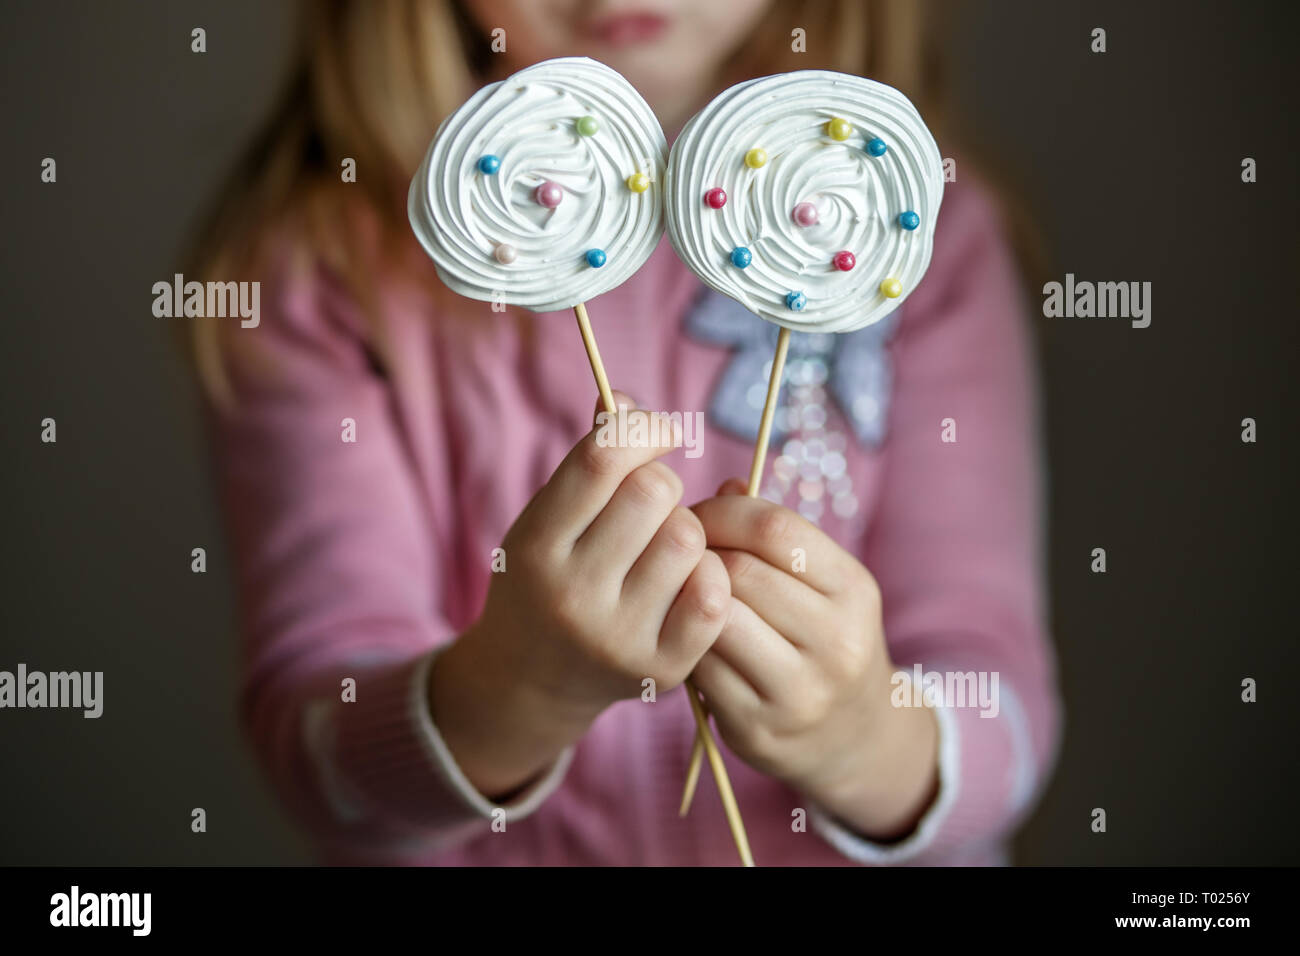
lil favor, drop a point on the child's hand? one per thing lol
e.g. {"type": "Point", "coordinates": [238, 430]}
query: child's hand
{"type": "Point", "coordinates": [799, 679]}
{"type": "Point", "coordinates": [607, 582]}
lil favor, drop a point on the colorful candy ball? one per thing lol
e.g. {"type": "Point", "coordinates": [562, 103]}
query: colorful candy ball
{"type": "Point", "coordinates": [755, 158]}
{"type": "Point", "coordinates": [587, 126]}
{"type": "Point", "coordinates": [805, 214]}
{"type": "Point", "coordinates": [877, 147]}
{"type": "Point", "coordinates": [716, 197]}
{"type": "Point", "coordinates": [489, 164]}
{"type": "Point", "coordinates": [795, 301]}
{"type": "Point", "coordinates": [845, 260]}
{"type": "Point", "coordinates": [505, 253]}
{"type": "Point", "coordinates": [596, 258]}
{"type": "Point", "coordinates": [891, 288]}
{"type": "Point", "coordinates": [741, 257]}
{"type": "Point", "coordinates": [839, 129]}
{"type": "Point", "coordinates": [909, 220]}
{"type": "Point", "coordinates": [638, 182]}
{"type": "Point", "coordinates": [549, 194]}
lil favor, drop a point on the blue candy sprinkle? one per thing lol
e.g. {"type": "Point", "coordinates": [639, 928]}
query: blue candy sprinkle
{"type": "Point", "coordinates": [595, 258]}
{"type": "Point", "coordinates": [489, 164]}
{"type": "Point", "coordinates": [741, 257]}
{"type": "Point", "coordinates": [795, 301]}
{"type": "Point", "coordinates": [877, 147]}
{"type": "Point", "coordinates": [909, 220]}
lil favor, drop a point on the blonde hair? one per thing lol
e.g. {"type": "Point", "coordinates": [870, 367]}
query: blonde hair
{"type": "Point", "coordinates": [372, 79]}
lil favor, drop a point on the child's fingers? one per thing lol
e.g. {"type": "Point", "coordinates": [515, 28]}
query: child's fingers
{"type": "Point", "coordinates": [733, 486]}
{"type": "Point", "coordinates": [777, 595]}
{"type": "Point", "coordinates": [765, 659]}
{"type": "Point", "coordinates": [636, 513]}
{"type": "Point", "coordinates": [590, 474]}
{"type": "Point", "coordinates": [775, 534]}
{"type": "Point", "coordinates": [695, 615]}
{"type": "Point", "coordinates": [730, 697]}
{"type": "Point", "coordinates": [662, 567]}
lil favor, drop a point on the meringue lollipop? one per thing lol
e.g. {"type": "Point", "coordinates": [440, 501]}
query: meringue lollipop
{"type": "Point", "coordinates": [811, 199]}
{"type": "Point", "coordinates": [543, 191]}
{"type": "Point", "coordinates": [808, 197]}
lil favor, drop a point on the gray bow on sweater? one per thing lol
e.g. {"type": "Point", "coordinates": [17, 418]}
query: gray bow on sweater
{"type": "Point", "coordinates": [855, 367]}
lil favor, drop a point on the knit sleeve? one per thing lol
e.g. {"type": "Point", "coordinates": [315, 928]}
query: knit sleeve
{"type": "Point", "coordinates": [338, 573]}
{"type": "Point", "coordinates": [957, 543]}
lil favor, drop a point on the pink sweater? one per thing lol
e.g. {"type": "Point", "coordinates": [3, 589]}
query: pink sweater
{"type": "Point", "coordinates": [361, 559]}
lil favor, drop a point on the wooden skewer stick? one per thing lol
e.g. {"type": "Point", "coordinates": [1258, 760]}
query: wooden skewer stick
{"type": "Point", "coordinates": [593, 356]}
{"type": "Point", "coordinates": [697, 761]}
{"type": "Point", "coordinates": [755, 479]}
{"type": "Point", "coordinates": [769, 413]}
{"type": "Point", "coordinates": [703, 733]}
{"type": "Point", "coordinates": [720, 775]}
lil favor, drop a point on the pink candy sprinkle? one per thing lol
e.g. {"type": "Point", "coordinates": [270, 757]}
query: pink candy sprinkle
{"type": "Point", "coordinates": [844, 261]}
{"type": "Point", "coordinates": [805, 214]}
{"type": "Point", "coordinates": [716, 197]}
{"type": "Point", "coordinates": [549, 194]}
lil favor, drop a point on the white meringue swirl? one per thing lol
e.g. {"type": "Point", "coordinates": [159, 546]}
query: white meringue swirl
{"type": "Point", "coordinates": [530, 123]}
{"type": "Point", "coordinates": [858, 197]}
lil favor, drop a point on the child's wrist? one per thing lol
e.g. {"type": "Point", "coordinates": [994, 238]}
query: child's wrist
{"type": "Point", "coordinates": [501, 730]}
{"type": "Point", "coordinates": [546, 702]}
{"type": "Point", "coordinates": [885, 794]}
{"type": "Point", "coordinates": [881, 777]}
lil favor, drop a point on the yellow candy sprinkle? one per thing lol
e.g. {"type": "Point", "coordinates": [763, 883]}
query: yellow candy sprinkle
{"type": "Point", "coordinates": [755, 158]}
{"type": "Point", "coordinates": [840, 129]}
{"type": "Point", "coordinates": [638, 182]}
{"type": "Point", "coordinates": [891, 288]}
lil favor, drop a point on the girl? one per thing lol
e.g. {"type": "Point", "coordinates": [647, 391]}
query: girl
{"type": "Point", "coordinates": [463, 622]}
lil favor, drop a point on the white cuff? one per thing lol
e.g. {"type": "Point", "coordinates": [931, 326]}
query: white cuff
{"type": "Point", "coordinates": [862, 850]}
{"type": "Point", "coordinates": [318, 731]}
{"type": "Point", "coordinates": [524, 803]}
{"type": "Point", "coordinates": [1024, 773]}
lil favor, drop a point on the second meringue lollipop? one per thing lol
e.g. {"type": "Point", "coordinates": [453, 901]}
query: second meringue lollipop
{"type": "Point", "coordinates": [811, 199]}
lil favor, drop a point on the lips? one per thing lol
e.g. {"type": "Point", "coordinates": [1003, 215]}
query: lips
{"type": "Point", "coordinates": [627, 29]}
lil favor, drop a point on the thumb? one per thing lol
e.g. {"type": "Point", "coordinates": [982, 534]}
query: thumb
{"type": "Point", "coordinates": [620, 399]}
{"type": "Point", "coordinates": [732, 486]}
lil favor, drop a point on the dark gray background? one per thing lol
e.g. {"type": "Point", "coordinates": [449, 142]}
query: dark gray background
{"type": "Point", "coordinates": [1132, 160]}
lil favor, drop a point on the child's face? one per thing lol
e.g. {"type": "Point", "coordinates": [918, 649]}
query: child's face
{"type": "Point", "coordinates": [670, 50]}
